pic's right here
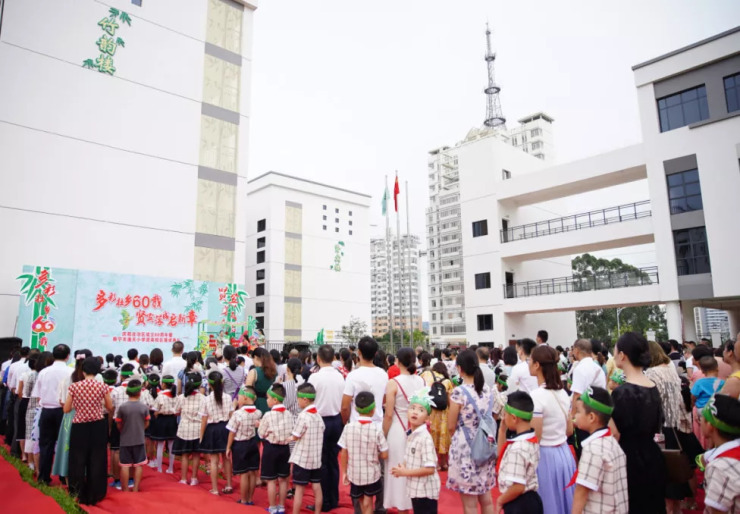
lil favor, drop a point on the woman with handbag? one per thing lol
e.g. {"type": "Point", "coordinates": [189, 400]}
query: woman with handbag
{"type": "Point", "coordinates": [395, 424]}
{"type": "Point", "coordinates": [637, 417]}
{"type": "Point", "coordinates": [676, 426]}
{"type": "Point", "coordinates": [553, 426]}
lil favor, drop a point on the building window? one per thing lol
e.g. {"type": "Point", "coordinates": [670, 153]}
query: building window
{"type": "Point", "coordinates": [324, 227]}
{"type": "Point", "coordinates": [434, 330]}
{"type": "Point", "coordinates": [324, 207]}
{"type": "Point", "coordinates": [261, 225]}
{"type": "Point", "coordinates": [336, 229]}
{"type": "Point", "coordinates": [482, 280]}
{"type": "Point", "coordinates": [260, 242]}
{"type": "Point", "coordinates": [260, 257]}
{"type": "Point", "coordinates": [683, 108]}
{"type": "Point", "coordinates": [692, 251]}
{"type": "Point", "coordinates": [336, 220]}
{"type": "Point", "coordinates": [684, 191]}
{"type": "Point", "coordinates": [260, 274]}
{"type": "Point", "coordinates": [536, 145]}
{"type": "Point", "coordinates": [136, 2]}
{"type": "Point", "coordinates": [536, 132]}
{"type": "Point", "coordinates": [480, 228]}
{"type": "Point", "coordinates": [350, 223]}
{"type": "Point", "coordinates": [336, 211]}
{"type": "Point", "coordinates": [434, 317]}
{"type": "Point", "coordinates": [260, 322]}
{"type": "Point", "coordinates": [260, 290]}
{"type": "Point", "coordinates": [324, 217]}
{"type": "Point", "coordinates": [539, 156]}
{"type": "Point", "coordinates": [732, 92]}
{"type": "Point", "coordinates": [350, 232]}
{"type": "Point", "coordinates": [485, 322]}
{"type": "Point", "coordinates": [350, 213]}
{"type": "Point", "coordinates": [505, 174]}
{"type": "Point", "coordinates": [514, 141]}
{"type": "Point", "coordinates": [259, 307]}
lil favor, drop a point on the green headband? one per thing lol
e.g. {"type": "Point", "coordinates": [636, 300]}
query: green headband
{"type": "Point", "coordinates": [618, 377]}
{"type": "Point", "coordinates": [423, 398]}
{"type": "Point", "coordinates": [126, 373]}
{"type": "Point", "coordinates": [365, 410]}
{"type": "Point", "coordinates": [244, 392]}
{"type": "Point", "coordinates": [710, 414]}
{"type": "Point", "coordinates": [211, 381]}
{"type": "Point", "coordinates": [502, 381]}
{"type": "Point", "coordinates": [133, 389]}
{"type": "Point", "coordinates": [275, 395]}
{"type": "Point", "coordinates": [595, 404]}
{"type": "Point", "coordinates": [308, 396]}
{"type": "Point", "coordinates": [526, 416]}
{"type": "Point", "coordinates": [168, 380]}
{"type": "Point", "coordinates": [153, 380]}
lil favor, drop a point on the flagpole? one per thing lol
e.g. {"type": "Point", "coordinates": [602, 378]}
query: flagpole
{"type": "Point", "coordinates": [400, 269]}
{"type": "Point", "coordinates": [408, 267]}
{"type": "Point", "coordinates": [389, 259]}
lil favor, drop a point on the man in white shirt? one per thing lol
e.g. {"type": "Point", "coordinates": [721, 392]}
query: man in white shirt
{"type": "Point", "coordinates": [488, 375]}
{"type": "Point", "coordinates": [542, 337]}
{"type": "Point", "coordinates": [588, 372]}
{"type": "Point", "coordinates": [176, 364]}
{"type": "Point", "coordinates": [14, 399]}
{"type": "Point", "coordinates": [365, 377]}
{"type": "Point", "coordinates": [329, 385]}
{"type": "Point", "coordinates": [46, 390]}
{"type": "Point", "coordinates": [521, 379]}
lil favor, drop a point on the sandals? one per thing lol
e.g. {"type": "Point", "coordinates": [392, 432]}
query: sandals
{"type": "Point", "coordinates": [227, 490]}
{"type": "Point", "coordinates": [215, 493]}
{"type": "Point", "coordinates": [240, 502]}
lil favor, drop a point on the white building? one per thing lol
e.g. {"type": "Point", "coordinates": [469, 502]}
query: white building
{"type": "Point", "coordinates": [308, 257]}
{"type": "Point", "coordinates": [709, 321]}
{"type": "Point", "coordinates": [123, 138]}
{"type": "Point", "coordinates": [516, 261]}
{"type": "Point", "coordinates": [445, 239]}
{"type": "Point", "coordinates": [382, 292]}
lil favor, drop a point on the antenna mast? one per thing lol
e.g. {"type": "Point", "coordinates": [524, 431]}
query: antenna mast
{"type": "Point", "coordinates": [494, 116]}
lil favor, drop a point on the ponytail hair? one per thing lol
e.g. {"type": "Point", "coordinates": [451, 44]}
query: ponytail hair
{"type": "Point", "coordinates": [172, 386]}
{"type": "Point", "coordinates": [346, 357]}
{"type": "Point", "coordinates": [153, 381]}
{"type": "Point", "coordinates": [216, 381]}
{"type": "Point", "coordinates": [230, 355]}
{"type": "Point", "coordinates": [268, 363]}
{"type": "Point", "coordinates": [193, 383]}
{"type": "Point", "coordinates": [80, 356]}
{"type": "Point", "coordinates": [407, 358]}
{"type": "Point", "coordinates": [468, 362]}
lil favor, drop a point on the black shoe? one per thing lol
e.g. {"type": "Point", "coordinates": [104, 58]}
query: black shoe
{"type": "Point", "coordinates": [291, 493]}
{"type": "Point", "coordinates": [312, 508]}
{"type": "Point", "coordinates": [63, 480]}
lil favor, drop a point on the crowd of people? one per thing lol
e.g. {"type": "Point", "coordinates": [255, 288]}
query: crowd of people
{"type": "Point", "coordinates": [557, 430]}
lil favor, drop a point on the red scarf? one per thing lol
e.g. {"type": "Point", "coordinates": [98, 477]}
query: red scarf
{"type": "Point", "coordinates": [311, 410]}
{"type": "Point", "coordinates": [508, 443]}
{"type": "Point", "coordinates": [573, 479]}
{"type": "Point", "coordinates": [732, 453]}
{"type": "Point", "coordinates": [249, 409]}
{"type": "Point", "coordinates": [279, 408]}
{"type": "Point", "coordinates": [166, 392]}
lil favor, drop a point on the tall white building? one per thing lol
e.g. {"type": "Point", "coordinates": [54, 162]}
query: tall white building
{"type": "Point", "coordinates": [711, 320]}
{"type": "Point", "coordinates": [308, 257]}
{"type": "Point", "coordinates": [384, 292]}
{"type": "Point", "coordinates": [446, 284]}
{"type": "Point", "coordinates": [520, 224]}
{"type": "Point", "coordinates": [124, 138]}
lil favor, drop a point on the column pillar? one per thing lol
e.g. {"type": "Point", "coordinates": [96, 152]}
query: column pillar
{"type": "Point", "coordinates": [689, 324]}
{"type": "Point", "coordinates": [734, 317]}
{"type": "Point", "coordinates": [673, 320]}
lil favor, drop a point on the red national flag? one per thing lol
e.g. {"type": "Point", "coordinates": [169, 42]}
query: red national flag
{"type": "Point", "coordinates": [396, 192]}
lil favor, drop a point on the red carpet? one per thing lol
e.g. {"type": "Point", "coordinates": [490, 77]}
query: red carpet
{"type": "Point", "coordinates": [18, 496]}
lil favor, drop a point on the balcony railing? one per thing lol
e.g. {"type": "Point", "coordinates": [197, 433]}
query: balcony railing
{"type": "Point", "coordinates": [610, 280]}
{"type": "Point", "coordinates": [627, 212]}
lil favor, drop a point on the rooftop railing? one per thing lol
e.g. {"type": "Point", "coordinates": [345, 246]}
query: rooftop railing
{"type": "Point", "coordinates": [609, 280]}
{"type": "Point", "coordinates": [627, 212]}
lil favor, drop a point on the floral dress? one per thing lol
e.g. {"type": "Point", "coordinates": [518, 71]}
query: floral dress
{"type": "Point", "coordinates": [463, 475]}
{"type": "Point", "coordinates": [438, 420]}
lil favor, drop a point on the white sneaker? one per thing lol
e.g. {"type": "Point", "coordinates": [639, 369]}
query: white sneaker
{"type": "Point", "coordinates": [153, 464]}
{"type": "Point", "coordinates": [184, 482]}
{"type": "Point", "coordinates": [194, 481]}
{"type": "Point", "coordinates": [169, 471]}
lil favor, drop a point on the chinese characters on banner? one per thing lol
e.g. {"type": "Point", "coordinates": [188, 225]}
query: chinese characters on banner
{"type": "Point", "coordinates": [143, 303]}
{"type": "Point", "coordinates": [108, 43]}
{"type": "Point", "coordinates": [37, 289]}
{"type": "Point", "coordinates": [145, 337]}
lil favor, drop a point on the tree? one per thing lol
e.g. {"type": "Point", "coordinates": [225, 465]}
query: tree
{"type": "Point", "coordinates": [601, 324]}
{"type": "Point", "coordinates": [354, 330]}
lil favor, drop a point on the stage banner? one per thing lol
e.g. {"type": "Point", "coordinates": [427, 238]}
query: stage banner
{"type": "Point", "coordinates": [110, 312]}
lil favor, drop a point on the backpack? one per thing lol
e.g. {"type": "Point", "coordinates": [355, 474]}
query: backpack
{"type": "Point", "coordinates": [438, 391]}
{"type": "Point", "coordinates": [483, 447]}
{"type": "Point", "coordinates": [686, 393]}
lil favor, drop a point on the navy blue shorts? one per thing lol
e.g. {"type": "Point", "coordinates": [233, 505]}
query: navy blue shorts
{"type": "Point", "coordinates": [302, 476]}
{"type": "Point", "coordinates": [275, 461]}
{"type": "Point", "coordinates": [358, 491]}
{"type": "Point", "coordinates": [245, 455]}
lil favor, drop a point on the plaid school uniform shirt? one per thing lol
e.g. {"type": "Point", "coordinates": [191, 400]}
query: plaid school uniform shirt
{"type": "Point", "coordinates": [118, 396]}
{"type": "Point", "coordinates": [146, 398]}
{"type": "Point", "coordinates": [165, 404]}
{"type": "Point", "coordinates": [603, 471]}
{"type": "Point", "coordinates": [243, 423]}
{"type": "Point", "coordinates": [309, 429]}
{"type": "Point", "coordinates": [215, 412]}
{"type": "Point", "coordinates": [519, 462]}
{"type": "Point", "coordinates": [722, 478]}
{"type": "Point", "coordinates": [189, 407]}
{"type": "Point", "coordinates": [277, 425]}
{"type": "Point", "coordinates": [363, 440]}
{"type": "Point", "coordinates": [420, 453]}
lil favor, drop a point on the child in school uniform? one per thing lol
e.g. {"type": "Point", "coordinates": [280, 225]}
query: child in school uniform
{"type": "Point", "coordinates": [721, 427]}
{"type": "Point", "coordinates": [132, 420]}
{"type": "Point", "coordinates": [110, 378]}
{"type": "Point", "coordinates": [148, 397]}
{"type": "Point", "coordinates": [363, 445]}
{"type": "Point", "coordinates": [306, 456]}
{"type": "Point", "coordinates": [187, 440]}
{"type": "Point", "coordinates": [601, 479]}
{"type": "Point", "coordinates": [275, 431]}
{"type": "Point", "coordinates": [420, 460]}
{"type": "Point", "coordinates": [165, 426]}
{"type": "Point", "coordinates": [119, 397]}
{"type": "Point", "coordinates": [518, 458]}
{"type": "Point", "coordinates": [243, 444]}
{"type": "Point", "coordinates": [216, 410]}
